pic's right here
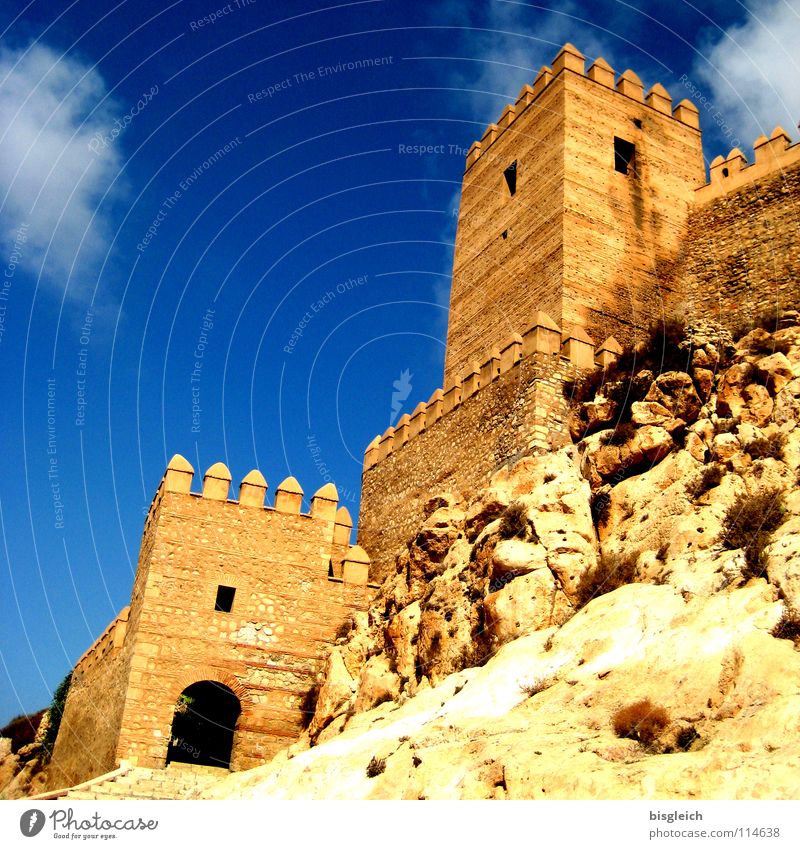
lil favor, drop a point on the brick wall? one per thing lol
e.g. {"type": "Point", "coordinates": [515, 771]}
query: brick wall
{"type": "Point", "coordinates": [577, 239]}
{"type": "Point", "coordinates": [269, 649]}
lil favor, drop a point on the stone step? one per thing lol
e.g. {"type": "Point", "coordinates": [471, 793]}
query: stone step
{"type": "Point", "coordinates": [177, 781]}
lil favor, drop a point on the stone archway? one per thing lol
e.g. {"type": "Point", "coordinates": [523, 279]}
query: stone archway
{"type": "Point", "coordinates": [203, 725]}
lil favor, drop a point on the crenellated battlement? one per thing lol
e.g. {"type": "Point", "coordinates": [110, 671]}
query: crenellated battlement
{"type": "Point", "coordinates": [253, 488]}
{"type": "Point", "coordinates": [569, 58]}
{"type": "Point", "coordinates": [112, 639]}
{"type": "Point", "coordinates": [730, 173]}
{"type": "Point", "coordinates": [544, 336]}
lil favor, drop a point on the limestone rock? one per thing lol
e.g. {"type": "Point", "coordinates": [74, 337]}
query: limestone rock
{"type": "Point", "coordinates": [334, 693]}
{"type": "Point", "coordinates": [675, 391]}
{"type": "Point", "coordinates": [513, 557]}
{"type": "Point", "coordinates": [527, 603]}
{"type": "Point", "coordinates": [758, 405]}
{"type": "Point", "coordinates": [600, 411]}
{"type": "Point", "coordinates": [774, 372]}
{"type": "Point", "coordinates": [482, 512]}
{"type": "Point", "coordinates": [783, 561]}
{"type": "Point", "coordinates": [401, 635]}
{"type": "Point", "coordinates": [730, 400]}
{"type": "Point", "coordinates": [709, 662]}
{"type": "Point", "coordinates": [704, 381]}
{"type": "Point", "coordinates": [724, 446]}
{"type": "Point", "coordinates": [377, 683]}
{"type": "Point", "coordinates": [650, 413]}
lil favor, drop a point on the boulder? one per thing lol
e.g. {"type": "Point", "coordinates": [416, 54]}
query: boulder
{"type": "Point", "coordinates": [514, 557]}
{"type": "Point", "coordinates": [675, 391]}
{"type": "Point", "coordinates": [377, 683]}
{"type": "Point", "coordinates": [401, 634]}
{"type": "Point", "coordinates": [730, 400]}
{"type": "Point", "coordinates": [336, 690]}
{"type": "Point", "coordinates": [600, 411]}
{"type": "Point", "coordinates": [783, 561]}
{"type": "Point", "coordinates": [774, 372]}
{"type": "Point", "coordinates": [758, 405]}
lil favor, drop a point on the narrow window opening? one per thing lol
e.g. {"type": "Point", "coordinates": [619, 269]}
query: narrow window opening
{"type": "Point", "coordinates": [637, 122]}
{"type": "Point", "coordinates": [224, 602]}
{"type": "Point", "coordinates": [504, 234]}
{"type": "Point", "coordinates": [511, 177]}
{"type": "Point", "coordinates": [624, 152]}
{"type": "Point", "coordinates": [725, 172]}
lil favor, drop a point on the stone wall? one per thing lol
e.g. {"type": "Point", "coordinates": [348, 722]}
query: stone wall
{"type": "Point", "coordinates": [743, 247]}
{"type": "Point", "coordinates": [520, 412]}
{"type": "Point", "coordinates": [87, 737]}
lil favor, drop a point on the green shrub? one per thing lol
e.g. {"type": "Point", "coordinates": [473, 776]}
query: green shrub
{"type": "Point", "coordinates": [537, 685]}
{"type": "Point", "coordinates": [788, 626]}
{"type": "Point", "coordinates": [56, 714]}
{"type": "Point", "coordinates": [748, 523]}
{"type": "Point", "coordinates": [642, 721]}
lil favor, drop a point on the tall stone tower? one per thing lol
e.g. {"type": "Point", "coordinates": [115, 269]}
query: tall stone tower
{"type": "Point", "coordinates": [574, 203]}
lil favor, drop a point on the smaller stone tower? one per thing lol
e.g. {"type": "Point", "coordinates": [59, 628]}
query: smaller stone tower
{"type": "Point", "coordinates": [234, 608]}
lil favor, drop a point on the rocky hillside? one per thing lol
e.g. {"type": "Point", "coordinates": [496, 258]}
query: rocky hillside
{"type": "Point", "coordinates": [614, 620]}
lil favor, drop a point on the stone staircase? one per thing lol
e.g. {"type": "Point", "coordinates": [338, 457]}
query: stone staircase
{"type": "Point", "coordinates": [176, 781]}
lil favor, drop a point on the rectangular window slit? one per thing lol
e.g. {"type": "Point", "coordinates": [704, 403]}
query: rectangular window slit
{"type": "Point", "coordinates": [624, 152]}
{"type": "Point", "coordinates": [511, 177]}
{"type": "Point", "coordinates": [224, 603]}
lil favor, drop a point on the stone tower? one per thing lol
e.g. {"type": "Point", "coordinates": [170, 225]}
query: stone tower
{"type": "Point", "coordinates": [234, 608]}
{"type": "Point", "coordinates": [574, 203]}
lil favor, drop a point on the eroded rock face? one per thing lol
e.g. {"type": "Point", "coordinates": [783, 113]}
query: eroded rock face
{"type": "Point", "coordinates": [485, 605]}
{"type": "Point", "coordinates": [730, 690]}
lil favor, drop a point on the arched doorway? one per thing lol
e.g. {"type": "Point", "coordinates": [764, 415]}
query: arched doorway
{"type": "Point", "coordinates": [203, 725]}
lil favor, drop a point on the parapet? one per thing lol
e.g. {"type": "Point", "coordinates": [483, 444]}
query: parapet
{"type": "Point", "coordinates": [570, 59]}
{"type": "Point", "coordinates": [730, 173]}
{"type": "Point", "coordinates": [111, 640]}
{"type": "Point", "coordinates": [355, 566]}
{"type": "Point", "coordinates": [252, 492]}
{"type": "Point", "coordinates": [543, 337]}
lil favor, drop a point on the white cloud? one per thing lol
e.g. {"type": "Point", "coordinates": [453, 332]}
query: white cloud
{"type": "Point", "coordinates": [520, 40]}
{"type": "Point", "coordinates": [752, 72]}
{"type": "Point", "coordinates": [51, 107]}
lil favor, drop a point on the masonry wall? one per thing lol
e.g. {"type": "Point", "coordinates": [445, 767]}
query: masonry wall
{"type": "Point", "coordinates": [743, 253]}
{"type": "Point", "coordinates": [623, 233]}
{"type": "Point", "coordinates": [269, 649]}
{"type": "Point", "coordinates": [500, 281]}
{"type": "Point", "coordinates": [521, 411]}
{"type": "Point", "coordinates": [87, 737]}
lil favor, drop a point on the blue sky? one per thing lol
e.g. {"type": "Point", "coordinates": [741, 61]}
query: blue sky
{"type": "Point", "coordinates": [214, 244]}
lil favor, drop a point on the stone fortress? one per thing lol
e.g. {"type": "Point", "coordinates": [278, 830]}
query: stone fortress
{"type": "Point", "coordinates": [585, 214]}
